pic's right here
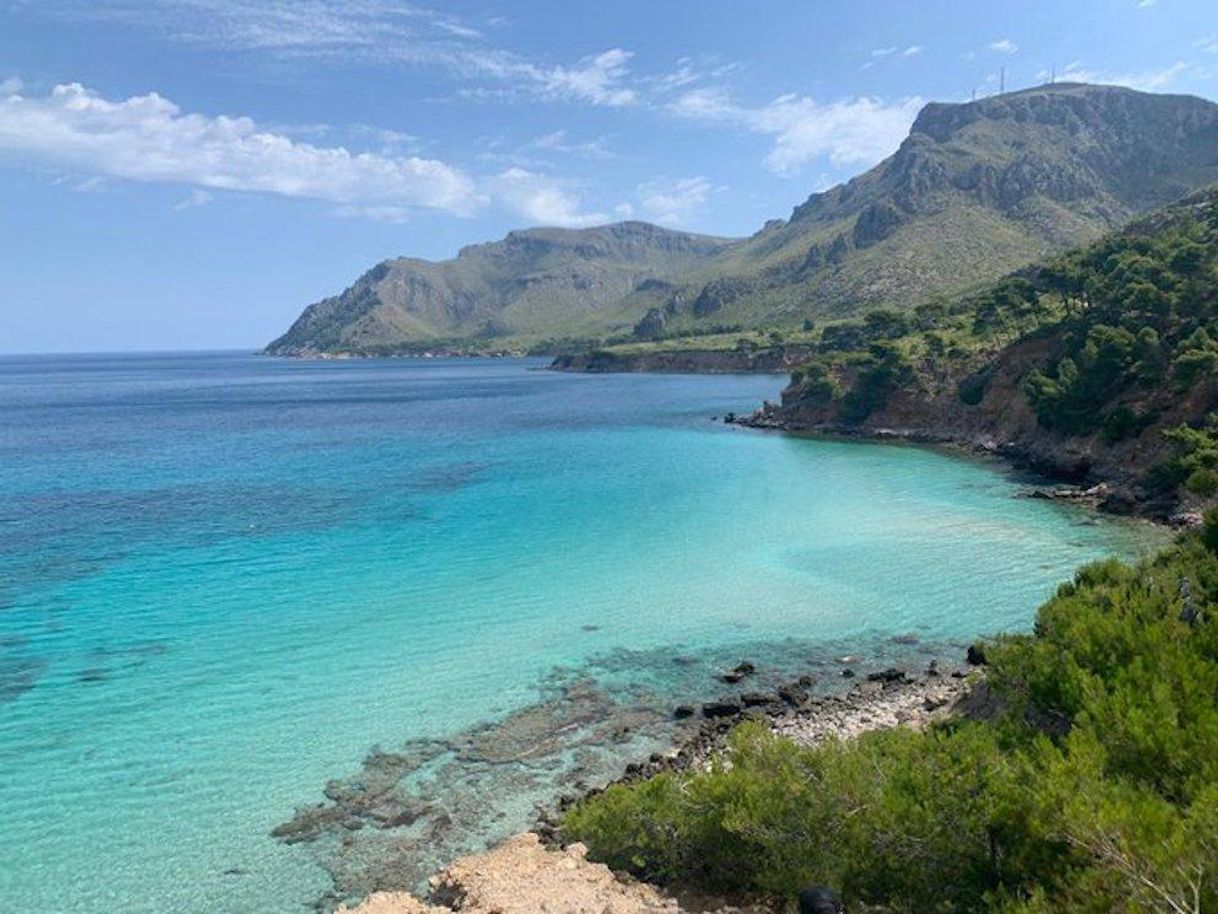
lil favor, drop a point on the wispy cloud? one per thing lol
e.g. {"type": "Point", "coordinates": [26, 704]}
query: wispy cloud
{"type": "Point", "coordinates": [670, 202]}
{"type": "Point", "coordinates": [1145, 80]}
{"type": "Point", "coordinates": [896, 49]}
{"type": "Point", "coordinates": [560, 141]}
{"type": "Point", "coordinates": [1208, 45]}
{"type": "Point", "coordinates": [373, 32]}
{"type": "Point", "coordinates": [1004, 46]}
{"type": "Point", "coordinates": [542, 200]}
{"type": "Point", "coordinates": [148, 138]}
{"type": "Point", "coordinates": [196, 198]}
{"type": "Point", "coordinates": [859, 131]}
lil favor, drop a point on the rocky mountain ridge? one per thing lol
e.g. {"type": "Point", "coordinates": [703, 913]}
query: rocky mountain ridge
{"type": "Point", "coordinates": [974, 192]}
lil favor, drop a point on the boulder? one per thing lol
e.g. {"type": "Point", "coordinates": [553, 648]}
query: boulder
{"type": "Point", "coordinates": [819, 899]}
{"type": "Point", "coordinates": [792, 695]}
{"type": "Point", "coordinates": [728, 707]}
{"type": "Point", "coordinates": [756, 699]}
{"type": "Point", "coordinates": [890, 675]}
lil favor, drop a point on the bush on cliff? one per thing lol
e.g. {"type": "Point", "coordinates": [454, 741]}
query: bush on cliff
{"type": "Point", "coordinates": [1095, 790]}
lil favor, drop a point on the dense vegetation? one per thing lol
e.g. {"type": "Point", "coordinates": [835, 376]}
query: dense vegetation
{"type": "Point", "coordinates": [1130, 325]}
{"type": "Point", "coordinates": [1140, 310]}
{"type": "Point", "coordinates": [1092, 788]}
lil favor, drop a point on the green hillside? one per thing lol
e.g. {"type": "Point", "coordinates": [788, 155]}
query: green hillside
{"type": "Point", "coordinates": [975, 191]}
{"type": "Point", "coordinates": [532, 285]}
{"type": "Point", "coordinates": [1100, 365]}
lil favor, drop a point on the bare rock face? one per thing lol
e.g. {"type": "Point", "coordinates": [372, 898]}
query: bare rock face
{"type": "Point", "coordinates": [521, 876]}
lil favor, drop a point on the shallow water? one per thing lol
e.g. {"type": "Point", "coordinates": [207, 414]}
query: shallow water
{"type": "Point", "coordinates": [224, 578]}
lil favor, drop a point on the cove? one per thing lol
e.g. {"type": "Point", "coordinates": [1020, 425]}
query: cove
{"type": "Point", "coordinates": [224, 579]}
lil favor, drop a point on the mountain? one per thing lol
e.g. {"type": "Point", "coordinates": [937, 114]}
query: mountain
{"type": "Point", "coordinates": [1099, 367]}
{"type": "Point", "coordinates": [975, 191]}
{"type": "Point", "coordinates": [525, 286]}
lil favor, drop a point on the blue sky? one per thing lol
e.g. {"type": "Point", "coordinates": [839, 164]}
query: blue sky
{"type": "Point", "coordinates": [190, 173]}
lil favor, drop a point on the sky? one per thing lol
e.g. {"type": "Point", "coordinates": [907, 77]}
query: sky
{"type": "Point", "coordinates": [188, 174]}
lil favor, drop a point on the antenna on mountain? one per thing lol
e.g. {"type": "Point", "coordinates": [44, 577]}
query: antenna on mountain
{"type": "Point", "coordinates": [974, 93]}
{"type": "Point", "coordinates": [1053, 75]}
{"type": "Point", "coordinates": [1002, 80]}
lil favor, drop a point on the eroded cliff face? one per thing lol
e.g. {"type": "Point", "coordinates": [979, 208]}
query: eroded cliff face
{"type": "Point", "coordinates": [1003, 422]}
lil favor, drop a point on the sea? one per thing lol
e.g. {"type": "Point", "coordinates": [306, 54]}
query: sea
{"type": "Point", "coordinates": [226, 579]}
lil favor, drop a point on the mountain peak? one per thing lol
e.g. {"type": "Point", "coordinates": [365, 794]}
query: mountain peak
{"type": "Point", "coordinates": [976, 190]}
{"type": "Point", "coordinates": [1066, 104]}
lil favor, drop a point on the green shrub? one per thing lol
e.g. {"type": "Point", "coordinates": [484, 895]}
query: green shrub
{"type": "Point", "coordinates": [1201, 482]}
{"type": "Point", "coordinates": [1094, 790]}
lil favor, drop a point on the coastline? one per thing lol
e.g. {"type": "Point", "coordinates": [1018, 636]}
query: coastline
{"type": "Point", "coordinates": [519, 874]}
{"type": "Point", "coordinates": [412, 809]}
{"type": "Point", "coordinates": [1059, 480]}
{"type": "Point", "coordinates": [885, 698]}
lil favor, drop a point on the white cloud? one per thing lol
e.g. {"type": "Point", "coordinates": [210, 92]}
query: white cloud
{"type": "Point", "coordinates": [1145, 4]}
{"type": "Point", "coordinates": [673, 202]}
{"type": "Point", "coordinates": [1004, 46]}
{"type": "Point", "coordinates": [148, 138]}
{"type": "Point", "coordinates": [376, 32]}
{"type": "Point", "coordinates": [858, 131]}
{"type": "Point", "coordinates": [11, 86]}
{"type": "Point", "coordinates": [1146, 80]}
{"type": "Point", "coordinates": [597, 79]}
{"type": "Point", "coordinates": [541, 200]}
{"type": "Point", "coordinates": [196, 198]}
{"type": "Point", "coordinates": [560, 141]}
{"type": "Point", "coordinates": [910, 51]}
{"type": "Point", "coordinates": [1208, 45]}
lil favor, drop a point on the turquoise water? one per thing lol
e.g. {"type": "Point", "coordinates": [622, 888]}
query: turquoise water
{"type": "Point", "coordinates": [223, 579]}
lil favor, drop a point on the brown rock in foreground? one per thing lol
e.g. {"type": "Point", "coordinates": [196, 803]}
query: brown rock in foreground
{"type": "Point", "coordinates": [522, 877]}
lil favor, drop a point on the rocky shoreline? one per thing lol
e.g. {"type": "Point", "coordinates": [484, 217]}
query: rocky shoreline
{"type": "Point", "coordinates": [883, 699]}
{"type": "Point", "coordinates": [1064, 479]}
{"type": "Point", "coordinates": [537, 870]}
{"type": "Point", "coordinates": [761, 360]}
{"type": "Point", "coordinates": [412, 809]}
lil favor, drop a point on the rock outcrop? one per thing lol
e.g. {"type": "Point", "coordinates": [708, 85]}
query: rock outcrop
{"type": "Point", "coordinates": [521, 876]}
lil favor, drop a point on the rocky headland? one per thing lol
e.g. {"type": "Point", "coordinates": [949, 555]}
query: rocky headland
{"type": "Point", "coordinates": [1091, 470]}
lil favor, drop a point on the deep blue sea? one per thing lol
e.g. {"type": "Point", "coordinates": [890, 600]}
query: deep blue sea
{"type": "Point", "coordinates": [224, 578]}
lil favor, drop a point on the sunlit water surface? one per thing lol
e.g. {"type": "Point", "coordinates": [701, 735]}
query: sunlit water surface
{"type": "Point", "coordinates": [223, 578]}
